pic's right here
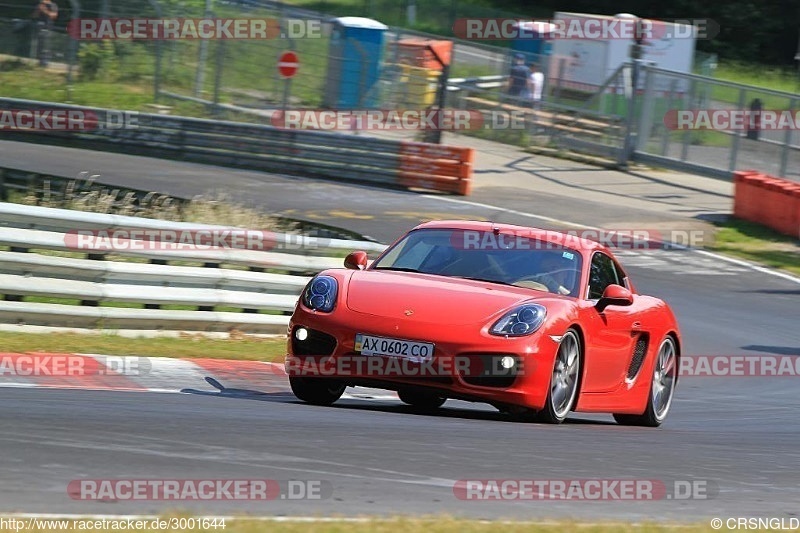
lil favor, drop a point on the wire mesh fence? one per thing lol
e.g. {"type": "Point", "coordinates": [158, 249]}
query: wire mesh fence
{"type": "Point", "coordinates": [723, 125]}
{"type": "Point", "coordinates": [583, 105]}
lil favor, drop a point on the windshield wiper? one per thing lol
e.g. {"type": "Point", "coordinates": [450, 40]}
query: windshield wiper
{"type": "Point", "coordinates": [488, 280]}
{"type": "Point", "coordinates": [397, 269]}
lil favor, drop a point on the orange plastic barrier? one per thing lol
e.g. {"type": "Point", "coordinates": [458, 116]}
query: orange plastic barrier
{"type": "Point", "coordinates": [436, 167]}
{"type": "Point", "coordinates": [767, 200]}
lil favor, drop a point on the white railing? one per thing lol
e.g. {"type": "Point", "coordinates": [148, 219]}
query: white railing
{"type": "Point", "coordinates": [43, 264]}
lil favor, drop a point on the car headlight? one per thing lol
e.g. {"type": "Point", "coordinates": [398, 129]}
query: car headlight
{"type": "Point", "coordinates": [320, 294]}
{"type": "Point", "coordinates": [520, 321]}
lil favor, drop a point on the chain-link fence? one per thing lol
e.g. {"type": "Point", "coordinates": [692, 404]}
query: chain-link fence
{"type": "Point", "coordinates": [725, 126]}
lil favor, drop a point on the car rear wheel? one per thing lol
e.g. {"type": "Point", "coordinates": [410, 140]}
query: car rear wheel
{"type": "Point", "coordinates": [662, 388]}
{"type": "Point", "coordinates": [421, 399]}
{"type": "Point", "coordinates": [563, 391]}
{"type": "Point", "coordinates": [317, 391]}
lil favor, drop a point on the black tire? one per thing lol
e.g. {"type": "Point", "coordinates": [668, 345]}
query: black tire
{"type": "Point", "coordinates": [570, 351]}
{"type": "Point", "coordinates": [317, 391]}
{"type": "Point", "coordinates": [423, 400]}
{"type": "Point", "coordinates": [664, 371]}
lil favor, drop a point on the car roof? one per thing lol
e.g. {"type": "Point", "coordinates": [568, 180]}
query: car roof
{"type": "Point", "coordinates": [569, 239]}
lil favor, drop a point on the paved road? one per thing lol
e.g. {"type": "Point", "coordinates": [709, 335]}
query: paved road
{"type": "Point", "coordinates": [739, 434]}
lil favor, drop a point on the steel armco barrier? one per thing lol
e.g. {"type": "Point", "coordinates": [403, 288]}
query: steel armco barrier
{"type": "Point", "coordinates": [339, 156]}
{"type": "Point", "coordinates": [210, 283]}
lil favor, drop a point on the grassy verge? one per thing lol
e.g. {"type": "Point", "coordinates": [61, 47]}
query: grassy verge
{"type": "Point", "coordinates": [754, 242]}
{"type": "Point", "coordinates": [236, 346]}
{"type": "Point", "coordinates": [433, 525]}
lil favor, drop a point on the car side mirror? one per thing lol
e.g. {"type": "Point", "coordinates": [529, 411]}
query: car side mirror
{"type": "Point", "coordinates": [356, 260]}
{"type": "Point", "coordinates": [614, 295]}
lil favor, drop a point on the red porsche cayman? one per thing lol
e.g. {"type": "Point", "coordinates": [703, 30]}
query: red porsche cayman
{"type": "Point", "coordinates": [537, 323]}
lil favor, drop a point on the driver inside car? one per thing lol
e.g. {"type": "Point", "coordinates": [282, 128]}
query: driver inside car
{"type": "Point", "coordinates": [557, 272]}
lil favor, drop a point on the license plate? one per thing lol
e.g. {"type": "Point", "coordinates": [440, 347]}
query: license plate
{"type": "Point", "coordinates": [371, 345]}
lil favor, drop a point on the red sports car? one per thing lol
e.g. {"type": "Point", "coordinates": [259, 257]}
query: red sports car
{"type": "Point", "coordinates": [537, 323]}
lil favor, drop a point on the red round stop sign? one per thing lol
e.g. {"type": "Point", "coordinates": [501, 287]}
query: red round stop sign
{"type": "Point", "coordinates": [288, 64]}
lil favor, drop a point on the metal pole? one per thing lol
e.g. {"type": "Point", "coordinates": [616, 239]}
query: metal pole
{"type": "Point", "coordinates": [159, 53]}
{"type": "Point", "coordinates": [72, 54]}
{"type": "Point", "coordinates": [787, 141]}
{"type": "Point", "coordinates": [287, 83]}
{"type": "Point", "coordinates": [673, 88]}
{"type": "Point", "coordinates": [737, 135]}
{"type": "Point", "coordinates": [201, 61]}
{"type": "Point", "coordinates": [220, 61]}
{"type": "Point", "coordinates": [646, 118]}
{"type": "Point", "coordinates": [441, 93]}
{"type": "Point", "coordinates": [687, 136]}
{"type": "Point", "coordinates": [627, 148]}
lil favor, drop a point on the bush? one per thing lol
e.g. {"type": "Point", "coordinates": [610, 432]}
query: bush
{"type": "Point", "coordinates": [96, 59]}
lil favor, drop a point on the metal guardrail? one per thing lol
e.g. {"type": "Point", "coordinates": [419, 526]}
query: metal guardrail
{"type": "Point", "coordinates": [30, 272]}
{"type": "Point", "coordinates": [319, 154]}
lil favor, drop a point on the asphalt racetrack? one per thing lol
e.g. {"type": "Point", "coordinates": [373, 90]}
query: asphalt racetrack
{"type": "Point", "coordinates": [736, 435]}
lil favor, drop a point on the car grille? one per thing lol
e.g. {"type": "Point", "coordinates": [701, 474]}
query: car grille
{"type": "Point", "coordinates": [484, 370]}
{"type": "Point", "coordinates": [317, 343]}
{"type": "Point", "coordinates": [638, 356]}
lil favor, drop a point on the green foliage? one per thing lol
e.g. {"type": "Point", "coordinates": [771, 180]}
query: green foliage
{"type": "Point", "coordinates": [96, 59]}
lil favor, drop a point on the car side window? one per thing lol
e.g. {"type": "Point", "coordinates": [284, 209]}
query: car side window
{"type": "Point", "coordinates": [602, 273]}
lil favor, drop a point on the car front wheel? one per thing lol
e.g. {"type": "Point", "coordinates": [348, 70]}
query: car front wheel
{"type": "Point", "coordinates": [317, 391]}
{"type": "Point", "coordinates": [421, 399]}
{"type": "Point", "coordinates": [563, 391]}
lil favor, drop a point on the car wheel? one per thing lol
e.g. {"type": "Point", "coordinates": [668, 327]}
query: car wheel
{"type": "Point", "coordinates": [563, 391]}
{"type": "Point", "coordinates": [421, 399]}
{"type": "Point", "coordinates": [317, 391]}
{"type": "Point", "coordinates": [662, 388]}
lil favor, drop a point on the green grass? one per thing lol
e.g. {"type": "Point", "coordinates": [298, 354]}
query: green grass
{"type": "Point", "coordinates": [237, 346]}
{"type": "Point", "coordinates": [767, 78]}
{"type": "Point", "coordinates": [758, 243]}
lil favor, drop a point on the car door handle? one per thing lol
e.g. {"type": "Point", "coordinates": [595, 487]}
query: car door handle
{"type": "Point", "coordinates": [637, 325]}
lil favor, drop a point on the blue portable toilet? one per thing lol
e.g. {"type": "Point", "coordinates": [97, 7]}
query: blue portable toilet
{"type": "Point", "coordinates": [533, 40]}
{"type": "Point", "coordinates": [354, 59]}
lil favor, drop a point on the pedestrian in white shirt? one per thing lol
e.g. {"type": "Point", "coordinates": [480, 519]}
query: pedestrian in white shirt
{"type": "Point", "coordinates": [535, 86]}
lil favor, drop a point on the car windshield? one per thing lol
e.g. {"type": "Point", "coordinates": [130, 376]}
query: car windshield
{"type": "Point", "coordinates": [483, 255]}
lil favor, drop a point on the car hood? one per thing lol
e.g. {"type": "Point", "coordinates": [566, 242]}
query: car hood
{"type": "Point", "coordinates": [430, 299]}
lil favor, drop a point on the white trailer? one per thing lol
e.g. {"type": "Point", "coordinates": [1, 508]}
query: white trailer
{"type": "Point", "coordinates": [587, 49]}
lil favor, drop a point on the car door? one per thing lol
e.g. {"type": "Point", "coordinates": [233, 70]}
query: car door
{"type": "Point", "coordinates": [610, 334]}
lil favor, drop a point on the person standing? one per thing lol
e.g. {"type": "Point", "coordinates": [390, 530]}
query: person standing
{"type": "Point", "coordinates": [535, 86]}
{"type": "Point", "coordinates": [518, 78]}
{"type": "Point", "coordinates": [44, 15]}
